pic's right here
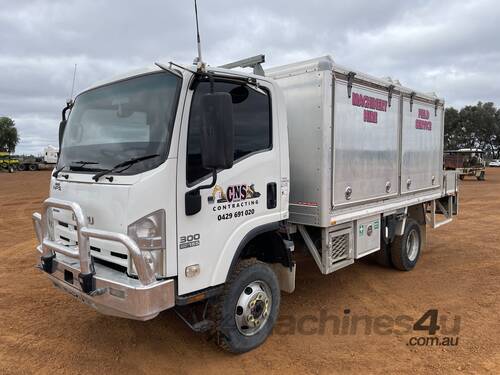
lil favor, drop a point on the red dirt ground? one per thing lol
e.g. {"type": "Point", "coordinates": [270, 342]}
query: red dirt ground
{"type": "Point", "coordinates": [43, 330]}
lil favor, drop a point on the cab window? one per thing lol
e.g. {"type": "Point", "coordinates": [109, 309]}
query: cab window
{"type": "Point", "coordinates": [252, 124]}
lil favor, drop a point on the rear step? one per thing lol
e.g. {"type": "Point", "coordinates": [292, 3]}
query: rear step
{"type": "Point", "coordinates": [444, 207]}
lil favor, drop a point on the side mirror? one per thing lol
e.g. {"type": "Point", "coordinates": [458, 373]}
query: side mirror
{"type": "Point", "coordinates": [217, 131]}
{"type": "Point", "coordinates": [217, 142]}
{"type": "Point", "coordinates": [64, 121]}
{"type": "Point", "coordinates": [62, 126]}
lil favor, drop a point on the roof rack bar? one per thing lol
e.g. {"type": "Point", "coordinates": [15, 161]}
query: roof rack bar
{"type": "Point", "coordinates": [250, 62]}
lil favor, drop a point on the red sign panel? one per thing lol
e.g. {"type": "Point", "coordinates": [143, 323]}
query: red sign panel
{"type": "Point", "coordinates": [371, 105]}
{"type": "Point", "coordinates": [422, 122]}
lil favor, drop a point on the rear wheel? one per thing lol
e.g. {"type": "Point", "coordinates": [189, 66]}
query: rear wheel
{"type": "Point", "coordinates": [245, 313]}
{"type": "Point", "coordinates": [33, 167]}
{"type": "Point", "coordinates": [21, 167]}
{"type": "Point", "coordinates": [405, 249]}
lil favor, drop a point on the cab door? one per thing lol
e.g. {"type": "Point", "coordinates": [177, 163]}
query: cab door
{"type": "Point", "coordinates": [244, 196]}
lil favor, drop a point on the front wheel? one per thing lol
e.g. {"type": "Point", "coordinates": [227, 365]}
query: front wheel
{"type": "Point", "coordinates": [405, 249]}
{"type": "Point", "coordinates": [245, 313]}
{"type": "Point", "coordinates": [481, 176]}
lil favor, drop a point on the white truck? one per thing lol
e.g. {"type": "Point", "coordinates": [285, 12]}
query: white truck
{"type": "Point", "coordinates": [187, 189]}
{"type": "Point", "coordinates": [47, 161]}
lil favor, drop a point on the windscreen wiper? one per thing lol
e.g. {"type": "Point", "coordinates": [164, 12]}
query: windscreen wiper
{"type": "Point", "coordinates": [80, 166]}
{"type": "Point", "coordinates": [83, 162]}
{"type": "Point", "coordinates": [125, 165]}
{"type": "Point", "coordinates": [71, 167]}
{"type": "Point", "coordinates": [57, 171]}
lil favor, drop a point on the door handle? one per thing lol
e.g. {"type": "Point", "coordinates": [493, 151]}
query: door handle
{"type": "Point", "coordinates": [271, 195]}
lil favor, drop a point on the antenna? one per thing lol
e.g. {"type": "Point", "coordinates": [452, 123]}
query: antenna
{"type": "Point", "coordinates": [198, 60]}
{"type": "Point", "coordinates": [73, 85]}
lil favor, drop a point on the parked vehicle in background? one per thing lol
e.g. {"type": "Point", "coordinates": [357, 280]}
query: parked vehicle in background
{"type": "Point", "coordinates": [494, 163]}
{"type": "Point", "coordinates": [187, 189]}
{"type": "Point", "coordinates": [50, 154]}
{"type": "Point", "coordinates": [467, 162]}
{"type": "Point", "coordinates": [7, 163]}
{"type": "Point", "coordinates": [47, 161]}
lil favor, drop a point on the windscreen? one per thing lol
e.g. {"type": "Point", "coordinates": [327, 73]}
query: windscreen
{"type": "Point", "coordinates": [121, 121]}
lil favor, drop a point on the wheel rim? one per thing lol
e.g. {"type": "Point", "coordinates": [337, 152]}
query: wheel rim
{"type": "Point", "coordinates": [412, 245]}
{"type": "Point", "coordinates": [253, 308]}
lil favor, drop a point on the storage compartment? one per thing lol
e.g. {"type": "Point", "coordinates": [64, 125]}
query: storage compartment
{"type": "Point", "coordinates": [358, 145]}
{"type": "Point", "coordinates": [367, 236]}
{"type": "Point", "coordinates": [421, 145]}
{"type": "Point", "coordinates": [366, 143]}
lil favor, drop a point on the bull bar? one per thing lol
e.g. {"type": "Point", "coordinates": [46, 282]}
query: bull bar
{"type": "Point", "coordinates": [109, 291]}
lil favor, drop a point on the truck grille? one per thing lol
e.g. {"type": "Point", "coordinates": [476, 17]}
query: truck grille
{"type": "Point", "coordinates": [65, 232]}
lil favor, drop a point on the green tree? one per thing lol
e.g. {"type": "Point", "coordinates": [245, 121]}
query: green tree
{"type": "Point", "coordinates": [9, 138]}
{"type": "Point", "coordinates": [479, 122]}
{"type": "Point", "coordinates": [452, 129]}
{"type": "Point", "coordinates": [496, 138]}
{"type": "Point", "coordinates": [474, 126]}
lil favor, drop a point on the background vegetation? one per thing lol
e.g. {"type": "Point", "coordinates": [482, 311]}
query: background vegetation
{"type": "Point", "coordinates": [8, 135]}
{"type": "Point", "coordinates": [473, 126]}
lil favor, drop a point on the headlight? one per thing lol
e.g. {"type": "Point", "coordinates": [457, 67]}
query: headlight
{"type": "Point", "coordinates": [149, 234]}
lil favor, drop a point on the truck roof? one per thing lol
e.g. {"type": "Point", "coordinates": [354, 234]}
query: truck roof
{"type": "Point", "coordinates": [319, 64]}
{"type": "Point", "coordinates": [122, 76]}
{"type": "Point", "coordinates": [154, 68]}
{"type": "Point", "coordinates": [327, 63]}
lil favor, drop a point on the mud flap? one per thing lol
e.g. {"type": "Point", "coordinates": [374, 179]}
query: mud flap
{"type": "Point", "coordinates": [286, 276]}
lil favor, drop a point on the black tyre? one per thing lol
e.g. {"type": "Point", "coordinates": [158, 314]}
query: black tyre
{"type": "Point", "coordinates": [245, 313]}
{"type": "Point", "coordinates": [405, 249]}
{"type": "Point", "coordinates": [33, 167]}
{"type": "Point", "coordinates": [21, 167]}
{"type": "Point", "coordinates": [481, 176]}
{"type": "Point", "coordinates": [462, 177]}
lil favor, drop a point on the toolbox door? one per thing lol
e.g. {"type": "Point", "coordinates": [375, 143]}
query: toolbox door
{"type": "Point", "coordinates": [365, 152]}
{"type": "Point", "coordinates": [421, 145]}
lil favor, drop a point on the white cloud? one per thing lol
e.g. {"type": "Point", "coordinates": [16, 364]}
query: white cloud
{"type": "Point", "coordinates": [450, 47]}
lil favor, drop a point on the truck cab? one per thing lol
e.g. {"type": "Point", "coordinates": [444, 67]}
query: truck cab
{"type": "Point", "coordinates": [50, 154]}
{"type": "Point", "coordinates": [142, 213]}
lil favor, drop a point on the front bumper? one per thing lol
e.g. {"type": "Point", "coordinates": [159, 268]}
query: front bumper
{"type": "Point", "coordinates": [111, 292]}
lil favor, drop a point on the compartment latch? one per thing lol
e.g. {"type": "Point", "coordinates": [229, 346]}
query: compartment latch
{"type": "Point", "coordinates": [350, 79]}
